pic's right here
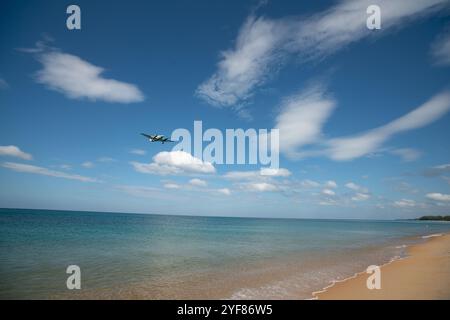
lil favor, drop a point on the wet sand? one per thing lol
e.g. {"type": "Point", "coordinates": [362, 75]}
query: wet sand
{"type": "Point", "coordinates": [424, 274]}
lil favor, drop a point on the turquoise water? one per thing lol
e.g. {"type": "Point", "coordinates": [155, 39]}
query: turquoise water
{"type": "Point", "coordinates": [157, 256]}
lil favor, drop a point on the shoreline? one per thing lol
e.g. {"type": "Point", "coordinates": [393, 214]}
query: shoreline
{"type": "Point", "coordinates": [424, 273]}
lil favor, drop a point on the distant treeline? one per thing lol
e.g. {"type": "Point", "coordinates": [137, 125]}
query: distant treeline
{"type": "Point", "coordinates": [438, 218]}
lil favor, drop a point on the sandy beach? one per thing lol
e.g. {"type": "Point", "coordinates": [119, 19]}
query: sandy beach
{"type": "Point", "coordinates": [424, 274]}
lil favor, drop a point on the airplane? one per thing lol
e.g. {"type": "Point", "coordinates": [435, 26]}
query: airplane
{"type": "Point", "coordinates": [157, 138]}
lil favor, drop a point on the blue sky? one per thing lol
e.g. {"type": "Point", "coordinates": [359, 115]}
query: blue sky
{"type": "Point", "coordinates": [363, 114]}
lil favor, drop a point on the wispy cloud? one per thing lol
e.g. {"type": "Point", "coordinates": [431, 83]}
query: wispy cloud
{"type": "Point", "coordinates": [307, 183]}
{"type": "Point", "coordinates": [405, 203]}
{"type": "Point", "coordinates": [353, 186]}
{"type": "Point", "coordinates": [331, 184]}
{"type": "Point", "coordinates": [302, 117]}
{"type": "Point", "coordinates": [360, 197]}
{"type": "Point", "coordinates": [13, 151]}
{"type": "Point", "coordinates": [224, 191]}
{"type": "Point", "coordinates": [361, 193]}
{"type": "Point", "coordinates": [437, 170]}
{"type": "Point", "coordinates": [87, 164]}
{"type": "Point", "coordinates": [440, 49]}
{"type": "Point", "coordinates": [79, 79]}
{"type": "Point", "coordinates": [196, 185]}
{"type": "Point", "coordinates": [407, 154]}
{"type": "Point", "coordinates": [19, 167]}
{"type": "Point", "coordinates": [106, 159]}
{"type": "Point", "coordinates": [3, 84]}
{"type": "Point", "coordinates": [146, 192]}
{"type": "Point", "coordinates": [405, 187]}
{"type": "Point", "coordinates": [247, 65]}
{"type": "Point", "coordinates": [174, 163]}
{"type": "Point", "coordinates": [138, 152]}
{"type": "Point", "coordinates": [352, 147]}
{"type": "Point", "coordinates": [171, 186]}
{"type": "Point", "coordinates": [263, 180]}
{"type": "Point", "coordinates": [262, 174]}
{"type": "Point", "coordinates": [263, 45]}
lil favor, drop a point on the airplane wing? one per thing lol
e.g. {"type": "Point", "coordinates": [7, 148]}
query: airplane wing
{"type": "Point", "coordinates": [148, 136]}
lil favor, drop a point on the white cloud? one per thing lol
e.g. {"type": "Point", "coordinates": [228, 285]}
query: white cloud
{"type": "Point", "coordinates": [331, 184]}
{"type": "Point", "coordinates": [361, 193]}
{"type": "Point", "coordinates": [77, 78]}
{"type": "Point", "coordinates": [258, 186]}
{"type": "Point", "coordinates": [263, 45]}
{"type": "Point", "coordinates": [198, 182]}
{"type": "Point", "coordinates": [348, 148]}
{"type": "Point", "coordinates": [244, 68]}
{"type": "Point", "coordinates": [407, 154]}
{"type": "Point", "coordinates": [224, 191]}
{"type": "Point", "coordinates": [360, 197]}
{"type": "Point", "coordinates": [328, 192]}
{"type": "Point", "coordinates": [195, 185]}
{"type": "Point", "coordinates": [258, 180]}
{"type": "Point", "coordinates": [19, 167]}
{"type": "Point", "coordinates": [302, 118]}
{"type": "Point", "coordinates": [171, 186]}
{"type": "Point", "coordinates": [87, 164]}
{"type": "Point", "coordinates": [280, 172]}
{"type": "Point", "coordinates": [309, 183]}
{"type": "Point", "coordinates": [173, 163]}
{"type": "Point", "coordinates": [438, 196]}
{"type": "Point", "coordinates": [440, 49]}
{"type": "Point", "coordinates": [353, 186]}
{"type": "Point", "coordinates": [138, 152]}
{"type": "Point", "coordinates": [262, 174]}
{"type": "Point", "coordinates": [405, 203]}
{"type": "Point", "coordinates": [13, 151]}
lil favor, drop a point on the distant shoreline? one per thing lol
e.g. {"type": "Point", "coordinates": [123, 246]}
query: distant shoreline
{"type": "Point", "coordinates": [433, 218]}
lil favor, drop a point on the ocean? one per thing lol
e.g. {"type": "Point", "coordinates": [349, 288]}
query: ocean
{"type": "Point", "coordinates": [143, 256]}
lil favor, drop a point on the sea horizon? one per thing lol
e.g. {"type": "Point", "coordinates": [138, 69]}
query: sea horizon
{"type": "Point", "coordinates": [219, 216]}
